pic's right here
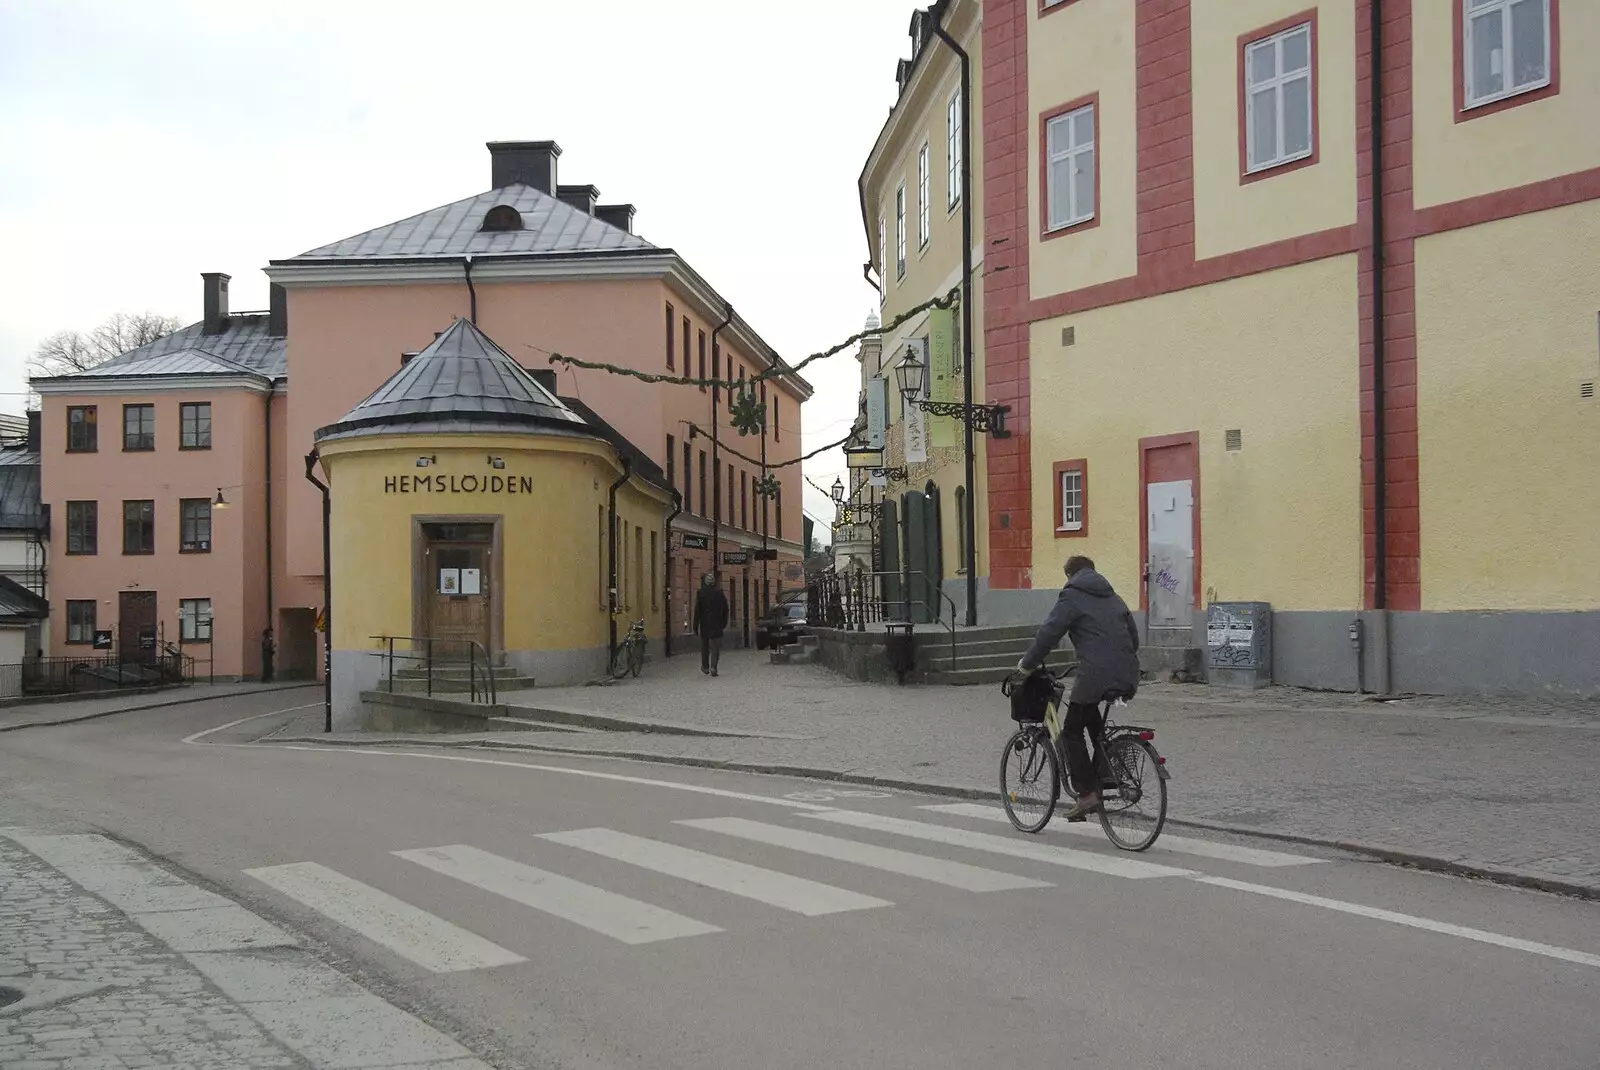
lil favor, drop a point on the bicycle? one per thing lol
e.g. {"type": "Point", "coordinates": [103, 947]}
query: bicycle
{"type": "Point", "coordinates": [1133, 801]}
{"type": "Point", "coordinates": [628, 658]}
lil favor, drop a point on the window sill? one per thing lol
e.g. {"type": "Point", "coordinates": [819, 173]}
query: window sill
{"type": "Point", "coordinates": [193, 449]}
{"type": "Point", "coordinates": [138, 449]}
{"type": "Point", "coordinates": [1072, 533]}
{"type": "Point", "coordinates": [1071, 228]}
{"type": "Point", "coordinates": [1282, 167]}
{"type": "Point", "coordinates": [84, 449]}
{"type": "Point", "coordinates": [952, 209]}
{"type": "Point", "coordinates": [138, 553]}
{"type": "Point", "coordinates": [1476, 109]}
{"type": "Point", "coordinates": [200, 552]}
{"type": "Point", "coordinates": [83, 553]}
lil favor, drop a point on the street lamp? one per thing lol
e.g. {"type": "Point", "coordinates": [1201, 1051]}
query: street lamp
{"type": "Point", "coordinates": [985, 419]}
{"type": "Point", "coordinates": [836, 492]}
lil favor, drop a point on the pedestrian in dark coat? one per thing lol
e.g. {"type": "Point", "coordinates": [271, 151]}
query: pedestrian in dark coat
{"type": "Point", "coordinates": [1105, 641]}
{"type": "Point", "coordinates": [710, 620]}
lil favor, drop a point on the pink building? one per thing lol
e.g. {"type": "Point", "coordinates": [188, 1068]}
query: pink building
{"type": "Point", "coordinates": [176, 472]}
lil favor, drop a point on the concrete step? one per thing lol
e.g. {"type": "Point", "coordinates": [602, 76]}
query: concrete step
{"type": "Point", "coordinates": [450, 672]}
{"type": "Point", "coordinates": [1006, 659]}
{"type": "Point", "coordinates": [1171, 637]}
{"type": "Point", "coordinates": [405, 686]}
{"type": "Point", "coordinates": [1155, 663]}
{"type": "Point", "coordinates": [939, 646]}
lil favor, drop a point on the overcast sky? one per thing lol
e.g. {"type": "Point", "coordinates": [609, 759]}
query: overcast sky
{"type": "Point", "coordinates": [144, 143]}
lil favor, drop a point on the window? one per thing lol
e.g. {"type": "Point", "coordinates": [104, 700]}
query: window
{"type": "Point", "coordinates": [1072, 498]}
{"type": "Point", "coordinates": [740, 391]}
{"type": "Point", "coordinates": [688, 487]}
{"type": "Point", "coordinates": [671, 338]}
{"type": "Point", "coordinates": [958, 359]}
{"type": "Point", "coordinates": [952, 151]}
{"type": "Point", "coordinates": [83, 429]}
{"type": "Point", "coordinates": [83, 527]}
{"type": "Point", "coordinates": [194, 620]}
{"type": "Point", "coordinates": [600, 558]}
{"type": "Point", "coordinates": [1506, 49]}
{"type": "Point", "coordinates": [686, 352]}
{"type": "Point", "coordinates": [654, 593]}
{"type": "Point", "coordinates": [637, 577]}
{"type": "Point", "coordinates": [777, 428]}
{"type": "Point", "coordinates": [194, 426]}
{"type": "Point", "coordinates": [138, 427]}
{"type": "Point", "coordinates": [777, 509]}
{"type": "Point", "coordinates": [80, 621]}
{"type": "Point", "coordinates": [716, 356]}
{"type": "Point", "coordinates": [922, 196]}
{"type": "Point", "coordinates": [900, 232]}
{"type": "Point", "coordinates": [744, 500]}
{"type": "Point", "coordinates": [731, 513]}
{"type": "Point", "coordinates": [702, 355]}
{"type": "Point", "coordinates": [883, 246]}
{"type": "Point", "coordinates": [1278, 106]}
{"type": "Point", "coordinates": [139, 527]}
{"type": "Point", "coordinates": [961, 530]}
{"type": "Point", "coordinates": [703, 501]}
{"type": "Point", "coordinates": [1070, 169]}
{"type": "Point", "coordinates": [194, 526]}
{"type": "Point", "coordinates": [672, 462]}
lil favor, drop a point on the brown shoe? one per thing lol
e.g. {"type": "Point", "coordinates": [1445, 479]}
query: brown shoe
{"type": "Point", "coordinates": [1085, 805]}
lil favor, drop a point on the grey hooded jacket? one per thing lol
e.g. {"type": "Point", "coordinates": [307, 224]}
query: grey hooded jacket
{"type": "Point", "coordinates": [1103, 634]}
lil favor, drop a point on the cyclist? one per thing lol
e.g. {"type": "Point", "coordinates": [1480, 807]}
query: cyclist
{"type": "Point", "coordinates": [1105, 641]}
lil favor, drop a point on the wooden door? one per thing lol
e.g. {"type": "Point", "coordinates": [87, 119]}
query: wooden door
{"type": "Point", "coordinates": [136, 626]}
{"type": "Point", "coordinates": [457, 562]}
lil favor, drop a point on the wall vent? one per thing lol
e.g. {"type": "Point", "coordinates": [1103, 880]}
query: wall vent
{"type": "Point", "coordinates": [1068, 336]}
{"type": "Point", "coordinates": [1586, 390]}
{"type": "Point", "coordinates": [1233, 440]}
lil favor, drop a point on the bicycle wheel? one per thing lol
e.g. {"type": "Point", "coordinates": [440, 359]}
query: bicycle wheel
{"type": "Point", "coordinates": [1030, 779]}
{"type": "Point", "coordinates": [636, 656]}
{"type": "Point", "coordinates": [1133, 814]}
{"type": "Point", "coordinates": [619, 661]}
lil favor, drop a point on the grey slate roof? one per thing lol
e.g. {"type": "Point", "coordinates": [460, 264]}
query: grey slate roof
{"type": "Point", "coordinates": [17, 603]}
{"type": "Point", "coordinates": [640, 463]}
{"type": "Point", "coordinates": [20, 506]}
{"type": "Point", "coordinates": [245, 348]}
{"type": "Point", "coordinates": [549, 226]}
{"type": "Point", "coordinates": [461, 382]}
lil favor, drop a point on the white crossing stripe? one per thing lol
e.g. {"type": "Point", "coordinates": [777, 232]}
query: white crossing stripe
{"type": "Point", "coordinates": [429, 941]}
{"type": "Point", "coordinates": [616, 916]}
{"type": "Point", "coordinates": [1250, 856]}
{"type": "Point", "coordinates": [938, 870]}
{"type": "Point", "coordinates": [1565, 954]}
{"type": "Point", "coordinates": [1110, 865]}
{"type": "Point", "coordinates": [737, 878]}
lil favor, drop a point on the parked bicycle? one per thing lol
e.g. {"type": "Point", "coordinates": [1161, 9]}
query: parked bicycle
{"type": "Point", "coordinates": [628, 658]}
{"type": "Point", "coordinates": [1033, 769]}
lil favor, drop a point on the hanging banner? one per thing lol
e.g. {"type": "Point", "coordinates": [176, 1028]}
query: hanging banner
{"type": "Point", "coordinates": [941, 374]}
{"type": "Point", "coordinates": [916, 433]}
{"type": "Point", "coordinates": [877, 477]}
{"type": "Point", "coordinates": [877, 411]}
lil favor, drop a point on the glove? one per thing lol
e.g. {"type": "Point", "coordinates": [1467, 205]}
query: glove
{"type": "Point", "coordinates": [1022, 666]}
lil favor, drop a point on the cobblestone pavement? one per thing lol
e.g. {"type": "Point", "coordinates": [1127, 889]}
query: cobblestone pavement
{"type": "Point", "coordinates": [36, 714]}
{"type": "Point", "coordinates": [217, 991]}
{"type": "Point", "coordinates": [1495, 785]}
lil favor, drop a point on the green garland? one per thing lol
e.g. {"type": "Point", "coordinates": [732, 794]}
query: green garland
{"type": "Point", "coordinates": [770, 482]}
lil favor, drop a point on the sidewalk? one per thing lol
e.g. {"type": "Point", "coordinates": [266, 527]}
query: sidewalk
{"type": "Point", "coordinates": [38, 714]}
{"type": "Point", "coordinates": [1493, 786]}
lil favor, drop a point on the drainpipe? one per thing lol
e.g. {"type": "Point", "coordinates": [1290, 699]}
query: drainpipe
{"type": "Point", "coordinates": [666, 570]}
{"type": "Point", "coordinates": [970, 563]}
{"type": "Point", "coordinates": [271, 606]}
{"type": "Point", "coordinates": [472, 291]}
{"type": "Point", "coordinates": [716, 465]}
{"type": "Point", "coordinates": [866, 273]}
{"type": "Point", "coordinates": [611, 559]}
{"type": "Point", "coordinates": [1380, 452]}
{"type": "Point", "coordinates": [327, 595]}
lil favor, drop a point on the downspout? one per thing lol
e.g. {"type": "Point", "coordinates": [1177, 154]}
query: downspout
{"type": "Point", "coordinates": [611, 559]}
{"type": "Point", "coordinates": [271, 606]}
{"type": "Point", "coordinates": [716, 464]}
{"type": "Point", "coordinates": [666, 572]}
{"type": "Point", "coordinates": [1380, 452]}
{"type": "Point", "coordinates": [472, 291]}
{"type": "Point", "coordinates": [970, 564]}
{"type": "Point", "coordinates": [327, 594]}
{"type": "Point", "coordinates": [866, 273]}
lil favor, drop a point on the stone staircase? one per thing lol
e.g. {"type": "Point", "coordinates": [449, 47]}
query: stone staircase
{"type": "Point", "coordinates": [453, 678]}
{"type": "Point", "coordinates": [806, 650]}
{"type": "Point", "coordinates": [987, 655]}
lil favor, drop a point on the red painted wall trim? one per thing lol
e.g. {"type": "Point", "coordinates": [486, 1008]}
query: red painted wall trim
{"type": "Point", "coordinates": [1146, 447]}
{"type": "Point", "coordinates": [1081, 466]}
{"type": "Point", "coordinates": [1245, 41]}
{"type": "Point", "coordinates": [1509, 203]}
{"type": "Point", "coordinates": [1164, 106]}
{"type": "Point", "coordinates": [1045, 233]}
{"type": "Point", "coordinates": [1465, 114]}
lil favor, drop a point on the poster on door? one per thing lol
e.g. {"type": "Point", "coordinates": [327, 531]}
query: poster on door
{"type": "Point", "coordinates": [471, 581]}
{"type": "Point", "coordinates": [916, 430]}
{"type": "Point", "coordinates": [449, 581]}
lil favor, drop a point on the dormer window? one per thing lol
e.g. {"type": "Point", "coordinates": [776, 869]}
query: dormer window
{"type": "Point", "coordinates": [502, 217]}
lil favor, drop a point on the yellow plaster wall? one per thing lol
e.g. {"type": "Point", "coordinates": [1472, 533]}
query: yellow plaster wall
{"type": "Point", "coordinates": [1510, 452]}
{"type": "Point", "coordinates": [1272, 355]}
{"type": "Point", "coordinates": [552, 556]}
{"type": "Point", "coordinates": [1231, 215]}
{"type": "Point", "coordinates": [1082, 49]}
{"type": "Point", "coordinates": [1529, 143]}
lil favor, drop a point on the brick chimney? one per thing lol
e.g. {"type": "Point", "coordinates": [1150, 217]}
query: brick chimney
{"type": "Point", "coordinates": [582, 198]}
{"type": "Point", "coordinates": [618, 215]}
{"type": "Point", "coordinates": [216, 302]}
{"type": "Point", "coordinates": [525, 163]}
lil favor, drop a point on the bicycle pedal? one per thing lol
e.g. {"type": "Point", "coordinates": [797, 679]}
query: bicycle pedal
{"type": "Point", "coordinates": [1080, 817]}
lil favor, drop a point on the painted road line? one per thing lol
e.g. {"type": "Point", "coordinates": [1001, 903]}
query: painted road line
{"type": "Point", "coordinates": [414, 934]}
{"type": "Point", "coordinates": [198, 736]}
{"type": "Point", "coordinates": [1565, 954]}
{"type": "Point", "coordinates": [122, 877]}
{"type": "Point", "coordinates": [1109, 865]}
{"type": "Point", "coordinates": [736, 878]}
{"type": "Point", "coordinates": [616, 916]}
{"type": "Point", "coordinates": [1250, 856]}
{"type": "Point", "coordinates": [954, 874]}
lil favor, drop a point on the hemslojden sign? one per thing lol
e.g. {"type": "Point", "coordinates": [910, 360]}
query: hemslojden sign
{"type": "Point", "coordinates": [443, 484]}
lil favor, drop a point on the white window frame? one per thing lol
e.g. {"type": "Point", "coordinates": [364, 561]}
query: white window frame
{"type": "Point", "coordinates": [952, 150]}
{"type": "Point", "coordinates": [883, 246]}
{"type": "Point", "coordinates": [924, 181]}
{"type": "Point", "coordinates": [900, 231]}
{"type": "Point", "coordinates": [1071, 500]}
{"type": "Point", "coordinates": [192, 613]}
{"type": "Point", "coordinates": [1470, 15]}
{"type": "Point", "coordinates": [1068, 157]}
{"type": "Point", "coordinates": [1255, 161]}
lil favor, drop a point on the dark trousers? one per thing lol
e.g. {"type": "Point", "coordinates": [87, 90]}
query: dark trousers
{"type": "Point", "coordinates": [1083, 722]}
{"type": "Point", "coordinates": [266, 667]}
{"type": "Point", "coordinates": [710, 652]}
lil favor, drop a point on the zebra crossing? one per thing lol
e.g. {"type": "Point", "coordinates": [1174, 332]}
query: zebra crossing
{"type": "Point", "coordinates": [442, 946]}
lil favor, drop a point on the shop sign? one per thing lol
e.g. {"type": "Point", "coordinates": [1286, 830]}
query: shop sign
{"type": "Point", "coordinates": [443, 484]}
{"type": "Point", "coordinates": [102, 640]}
{"type": "Point", "coordinates": [696, 542]}
{"type": "Point", "coordinates": [735, 557]}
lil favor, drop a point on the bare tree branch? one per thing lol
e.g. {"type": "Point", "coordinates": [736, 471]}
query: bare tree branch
{"type": "Point", "coordinates": [67, 352]}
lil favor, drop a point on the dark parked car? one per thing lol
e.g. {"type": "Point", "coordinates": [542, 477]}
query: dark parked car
{"type": "Point", "coordinates": [782, 624]}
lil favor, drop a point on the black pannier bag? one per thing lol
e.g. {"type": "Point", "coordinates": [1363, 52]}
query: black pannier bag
{"type": "Point", "coordinates": [1030, 696]}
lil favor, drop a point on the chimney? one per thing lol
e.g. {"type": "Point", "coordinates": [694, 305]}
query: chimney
{"type": "Point", "coordinates": [618, 215]}
{"type": "Point", "coordinates": [525, 163]}
{"type": "Point", "coordinates": [580, 197]}
{"type": "Point", "coordinates": [545, 377]}
{"type": "Point", "coordinates": [277, 311]}
{"type": "Point", "coordinates": [216, 303]}
{"type": "Point", "coordinates": [34, 441]}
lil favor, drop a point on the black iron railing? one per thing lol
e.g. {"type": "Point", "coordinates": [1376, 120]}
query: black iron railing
{"type": "Point", "coordinates": [853, 600]}
{"type": "Point", "coordinates": [100, 672]}
{"type": "Point", "coordinates": [434, 662]}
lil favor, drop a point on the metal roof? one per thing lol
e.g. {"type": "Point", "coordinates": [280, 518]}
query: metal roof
{"type": "Point", "coordinates": [245, 348]}
{"type": "Point", "coordinates": [20, 506]}
{"type": "Point", "coordinates": [549, 225]}
{"type": "Point", "coordinates": [462, 382]}
{"type": "Point", "coordinates": [17, 603]}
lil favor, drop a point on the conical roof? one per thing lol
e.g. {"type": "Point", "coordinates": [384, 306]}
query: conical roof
{"type": "Point", "coordinates": [463, 381]}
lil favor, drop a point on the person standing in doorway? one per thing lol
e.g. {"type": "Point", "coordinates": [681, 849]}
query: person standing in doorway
{"type": "Point", "coordinates": [269, 647]}
{"type": "Point", "coordinates": [710, 619]}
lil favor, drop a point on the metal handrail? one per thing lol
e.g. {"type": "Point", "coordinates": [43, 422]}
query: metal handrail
{"type": "Point", "coordinates": [474, 648]}
{"type": "Point", "coordinates": [842, 598]}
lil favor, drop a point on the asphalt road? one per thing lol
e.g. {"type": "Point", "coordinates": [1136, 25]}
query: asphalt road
{"type": "Point", "coordinates": [578, 912]}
